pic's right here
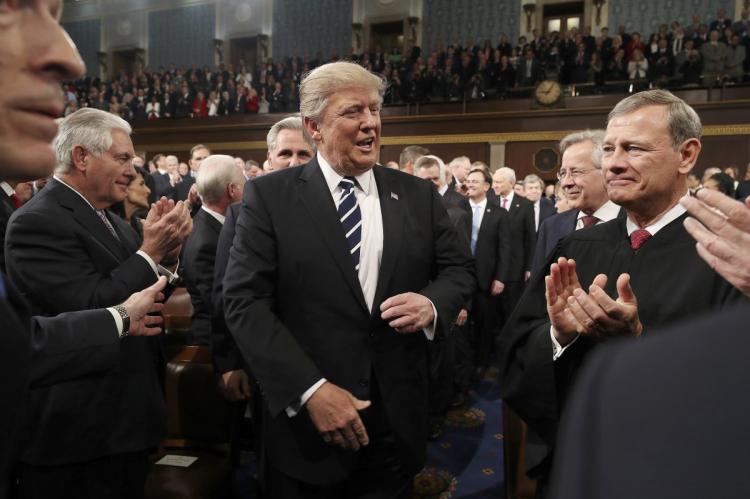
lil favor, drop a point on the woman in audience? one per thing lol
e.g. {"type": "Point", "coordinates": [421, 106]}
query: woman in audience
{"type": "Point", "coordinates": [720, 182]}
{"type": "Point", "coordinates": [638, 66]}
{"type": "Point", "coordinates": [135, 206]}
{"type": "Point", "coordinates": [213, 103]}
{"type": "Point", "coordinates": [200, 105]}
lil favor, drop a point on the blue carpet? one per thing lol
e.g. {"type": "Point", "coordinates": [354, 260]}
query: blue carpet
{"type": "Point", "coordinates": [467, 460]}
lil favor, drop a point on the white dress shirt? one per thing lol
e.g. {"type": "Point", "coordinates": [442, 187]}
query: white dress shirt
{"type": "Point", "coordinates": [606, 212]}
{"type": "Point", "coordinates": [218, 216]}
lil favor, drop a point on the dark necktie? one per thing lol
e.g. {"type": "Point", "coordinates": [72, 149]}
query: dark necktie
{"type": "Point", "coordinates": [3, 293]}
{"type": "Point", "coordinates": [106, 221]}
{"type": "Point", "coordinates": [638, 237]}
{"type": "Point", "coordinates": [589, 220]}
{"type": "Point", "coordinates": [351, 218]}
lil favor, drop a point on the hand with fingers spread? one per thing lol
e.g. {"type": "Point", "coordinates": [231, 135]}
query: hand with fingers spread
{"type": "Point", "coordinates": [462, 316]}
{"type": "Point", "coordinates": [333, 411]}
{"type": "Point", "coordinates": [408, 312]}
{"type": "Point", "coordinates": [597, 314]}
{"type": "Point", "coordinates": [721, 228]}
{"type": "Point", "coordinates": [142, 303]}
{"type": "Point", "coordinates": [560, 284]}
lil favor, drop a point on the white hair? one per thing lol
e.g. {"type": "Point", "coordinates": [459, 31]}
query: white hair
{"type": "Point", "coordinates": [216, 173]}
{"type": "Point", "coordinates": [507, 173]}
{"type": "Point", "coordinates": [596, 137]}
{"type": "Point", "coordinates": [88, 127]}
{"type": "Point", "coordinates": [534, 179]}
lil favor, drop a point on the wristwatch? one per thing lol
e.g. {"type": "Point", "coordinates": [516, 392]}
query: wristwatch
{"type": "Point", "coordinates": [125, 320]}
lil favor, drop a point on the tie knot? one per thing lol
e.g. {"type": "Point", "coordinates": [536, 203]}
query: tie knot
{"type": "Point", "coordinates": [638, 237]}
{"type": "Point", "coordinates": [347, 183]}
{"type": "Point", "coordinates": [589, 220]}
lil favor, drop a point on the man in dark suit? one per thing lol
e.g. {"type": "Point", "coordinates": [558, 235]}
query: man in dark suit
{"type": "Point", "coordinates": [629, 408]}
{"type": "Point", "coordinates": [582, 181]}
{"type": "Point", "coordinates": [490, 244]}
{"type": "Point", "coordinates": [66, 253]}
{"type": "Point", "coordinates": [220, 184]}
{"type": "Point", "coordinates": [198, 153]}
{"type": "Point", "coordinates": [530, 71]}
{"type": "Point", "coordinates": [332, 291]}
{"type": "Point", "coordinates": [522, 237]}
{"type": "Point", "coordinates": [162, 184]}
{"type": "Point", "coordinates": [42, 351]}
{"type": "Point", "coordinates": [287, 146]}
{"type": "Point", "coordinates": [533, 188]}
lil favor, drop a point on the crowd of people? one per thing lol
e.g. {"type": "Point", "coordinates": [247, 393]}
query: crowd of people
{"type": "Point", "coordinates": [700, 53]}
{"type": "Point", "coordinates": [357, 303]}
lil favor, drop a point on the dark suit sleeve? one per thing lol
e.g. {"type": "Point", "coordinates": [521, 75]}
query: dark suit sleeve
{"type": "Point", "coordinates": [502, 269]}
{"type": "Point", "coordinates": [284, 371]}
{"type": "Point", "coordinates": [53, 265]}
{"type": "Point", "coordinates": [529, 238]}
{"type": "Point", "coordinates": [542, 243]}
{"type": "Point", "coordinates": [455, 281]}
{"type": "Point", "coordinates": [72, 345]}
{"type": "Point", "coordinates": [226, 355]}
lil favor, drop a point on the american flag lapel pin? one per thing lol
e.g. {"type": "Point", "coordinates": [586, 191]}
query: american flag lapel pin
{"type": "Point", "coordinates": [394, 196]}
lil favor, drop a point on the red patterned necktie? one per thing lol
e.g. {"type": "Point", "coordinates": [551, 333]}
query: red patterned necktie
{"type": "Point", "coordinates": [16, 200]}
{"type": "Point", "coordinates": [638, 237]}
{"type": "Point", "coordinates": [589, 220]}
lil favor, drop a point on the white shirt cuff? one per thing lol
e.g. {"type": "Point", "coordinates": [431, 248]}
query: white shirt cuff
{"type": "Point", "coordinates": [171, 276]}
{"type": "Point", "coordinates": [429, 332]}
{"type": "Point", "coordinates": [149, 260]}
{"type": "Point", "coordinates": [118, 320]}
{"type": "Point", "coordinates": [558, 350]}
{"type": "Point", "coordinates": [294, 409]}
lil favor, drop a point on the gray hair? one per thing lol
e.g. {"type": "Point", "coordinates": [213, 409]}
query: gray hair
{"type": "Point", "coordinates": [428, 162]}
{"type": "Point", "coordinates": [456, 162]}
{"type": "Point", "coordinates": [217, 171]}
{"type": "Point", "coordinates": [410, 154]}
{"type": "Point", "coordinates": [320, 83]}
{"type": "Point", "coordinates": [596, 137]}
{"type": "Point", "coordinates": [88, 127]}
{"type": "Point", "coordinates": [682, 120]}
{"type": "Point", "coordinates": [293, 123]}
{"type": "Point", "coordinates": [507, 173]}
{"type": "Point", "coordinates": [534, 179]}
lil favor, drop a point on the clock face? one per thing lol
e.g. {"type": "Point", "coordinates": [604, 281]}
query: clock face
{"type": "Point", "coordinates": [548, 92]}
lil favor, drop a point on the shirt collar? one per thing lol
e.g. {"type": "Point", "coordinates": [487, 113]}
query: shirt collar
{"type": "Point", "coordinates": [7, 188]}
{"type": "Point", "coordinates": [606, 212]}
{"type": "Point", "coordinates": [481, 204]}
{"type": "Point", "coordinates": [73, 189]}
{"type": "Point", "coordinates": [509, 197]}
{"type": "Point", "coordinates": [669, 217]}
{"type": "Point", "coordinates": [443, 190]}
{"type": "Point", "coordinates": [364, 180]}
{"type": "Point", "coordinates": [218, 216]}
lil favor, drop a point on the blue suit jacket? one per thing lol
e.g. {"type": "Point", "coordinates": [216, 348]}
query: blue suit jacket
{"type": "Point", "coordinates": [552, 230]}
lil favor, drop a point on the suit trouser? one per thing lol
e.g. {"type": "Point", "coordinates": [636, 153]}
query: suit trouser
{"type": "Point", "coordinates": [119, 476]}
{"type": "Point", "coordinates": [441, 364]}
{"type": "Point", "coordinates": [484, 310]}
{"type": "Point", "coordinates": [508, 301]}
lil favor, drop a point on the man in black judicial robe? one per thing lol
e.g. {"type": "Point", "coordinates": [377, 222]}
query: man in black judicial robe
{"type": "Point", "coordinates": [641, 272]}
{"type": "Point", "coordinates": [624, 433]}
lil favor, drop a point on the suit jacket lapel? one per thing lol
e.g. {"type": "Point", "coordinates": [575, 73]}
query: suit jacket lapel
{"type": "Point", "coordinates": [314, 193]}
{"type": "Point", "coordinates": [391, 210]}
{"type": "Point", "coordinates": [87, 218]}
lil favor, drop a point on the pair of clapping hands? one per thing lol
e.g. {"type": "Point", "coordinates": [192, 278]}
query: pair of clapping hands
{"type": "Point", "coordinates": [721, 227]}
{"type": "Point", "coordinates": [165, 228]}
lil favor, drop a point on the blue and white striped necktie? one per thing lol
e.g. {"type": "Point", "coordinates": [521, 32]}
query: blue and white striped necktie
{"type": "Point", "coordinates": [351, 218]}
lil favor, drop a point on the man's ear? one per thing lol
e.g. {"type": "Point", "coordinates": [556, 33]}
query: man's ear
{"type": "Point", "coordinates": [689, 151]}
{"type": "Point", "coordinates": [312, 128]}
{"type": "Point", "coordinates": [81, 157]}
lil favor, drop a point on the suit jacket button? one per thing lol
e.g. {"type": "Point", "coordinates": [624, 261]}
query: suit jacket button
{"type": "Point", "coordinates": [364, 383]}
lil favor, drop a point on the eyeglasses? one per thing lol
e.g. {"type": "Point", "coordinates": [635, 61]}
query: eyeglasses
{"type": "Point", "coordinates": [574, 173]}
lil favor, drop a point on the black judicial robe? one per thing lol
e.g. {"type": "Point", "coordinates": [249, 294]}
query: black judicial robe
{"type": "Point", "coordinates": [665, 417]}
{"type": "Point", "coordinates": [670, 281]}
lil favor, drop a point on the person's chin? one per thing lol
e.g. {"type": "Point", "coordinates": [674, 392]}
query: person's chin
{"type": "Point", "coordinates": [27, 159]}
